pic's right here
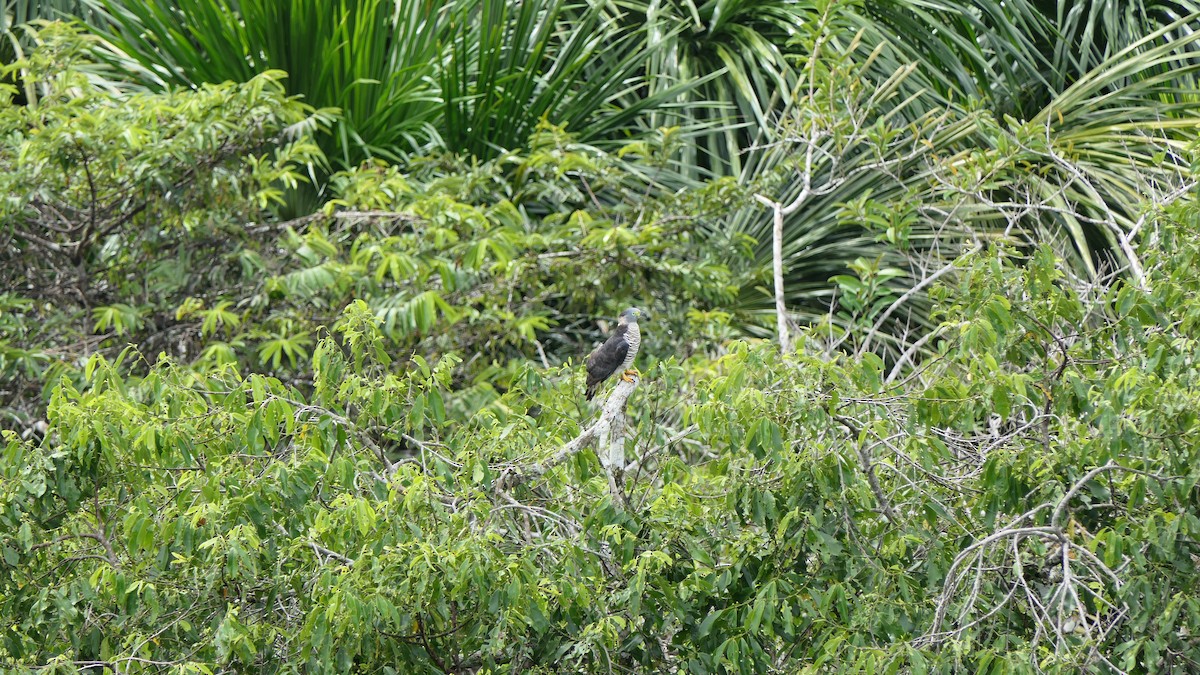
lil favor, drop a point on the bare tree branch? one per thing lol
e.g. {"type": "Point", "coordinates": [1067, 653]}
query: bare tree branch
{"type": "Point", "coordinates": [608, 430]}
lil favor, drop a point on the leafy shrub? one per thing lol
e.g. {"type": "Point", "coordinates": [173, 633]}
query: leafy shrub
{"type": "Point", "coordinates": [117, 206]}
{"type": "Point", "coordinates": [1025, 499]}
{"type": "Point", "coordinates": [145, 219]}
{"type": "Point", "coordinates": [350, 441]}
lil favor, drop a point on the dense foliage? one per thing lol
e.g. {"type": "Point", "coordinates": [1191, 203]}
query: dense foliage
{"type": "Point", "coordinates": [514, 254]}
{"type": "Point", "coordinates": [1028, 500]}
{"type": "Point", "coordinates": [243, 435]}
{"type": "Point", "coordinates": [474, 77]}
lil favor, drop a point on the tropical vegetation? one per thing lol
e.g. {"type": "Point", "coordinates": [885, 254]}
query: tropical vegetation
{"type": "Point", "coordinates": [294, 298]}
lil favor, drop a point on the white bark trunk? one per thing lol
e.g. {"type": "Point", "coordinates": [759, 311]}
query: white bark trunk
{"type": "Point", "coordinates": [777, 255]}
{"type": "Point", "coordinates": [610, 446]}
{"type": "Point", "coordinates": [778, 211]}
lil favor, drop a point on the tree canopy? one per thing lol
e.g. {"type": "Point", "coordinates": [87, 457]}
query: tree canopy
{"type": "Point", "coordinates": [290, 360]}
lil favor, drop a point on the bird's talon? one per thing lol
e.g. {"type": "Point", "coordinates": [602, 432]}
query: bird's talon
{"type": "Point", "coordinates": [630, 374]}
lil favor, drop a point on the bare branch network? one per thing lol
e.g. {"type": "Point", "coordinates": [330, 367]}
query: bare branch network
{"type": "Point", "coordinates": [1049, 569]}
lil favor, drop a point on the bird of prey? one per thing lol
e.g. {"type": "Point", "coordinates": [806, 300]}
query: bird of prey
{"type": "Point", "coordinates": [617, 352]}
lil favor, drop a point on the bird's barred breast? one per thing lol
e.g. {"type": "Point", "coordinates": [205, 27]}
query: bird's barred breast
{"type": "Point", "coordinates": [633, 337]}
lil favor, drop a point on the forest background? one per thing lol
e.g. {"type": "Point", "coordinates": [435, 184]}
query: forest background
{"type": "Point", "coordinates": [294, 297]}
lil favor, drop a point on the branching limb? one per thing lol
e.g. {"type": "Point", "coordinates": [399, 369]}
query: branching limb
{"type": "Point", "coordinates": [917, 288]}
{"type": "Point", "coordinates": [318, 549]}
{"type": "Point", "coordinates": [1083, 599]}
{"type": "Point", "coordinates": [608, 429]}
{"type": "Point", "coordinates": [639, 463]}
{"type": "Point", "coordinates": [868, 467]}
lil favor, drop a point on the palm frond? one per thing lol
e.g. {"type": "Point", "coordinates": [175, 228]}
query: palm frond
{"type": "Point", "coordinates": [373, 60]}
{"type": "Point", "coordinates": [513, 65]}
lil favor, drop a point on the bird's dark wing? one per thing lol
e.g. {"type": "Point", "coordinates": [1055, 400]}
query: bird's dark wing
{"type": "Point", "coordinates": [605, 360]}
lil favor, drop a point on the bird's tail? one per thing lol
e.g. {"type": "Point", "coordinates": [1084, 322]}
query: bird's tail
{"type": "Point", "coordinates": [590, 391]}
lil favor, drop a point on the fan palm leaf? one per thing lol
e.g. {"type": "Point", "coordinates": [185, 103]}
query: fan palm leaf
{"type": "Point", "coordinates": [17, 19]}
{"type": "Point", "coordinates": [741, 47]}
{"type": "Point", "coordinates": [1118, 137]}
{"type": "Point", "coordinates": [1087, 156]}
{"type": "Point", "coordinates": [374, 60]}
{"type": "Point", "coordinates": [512, 65]}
